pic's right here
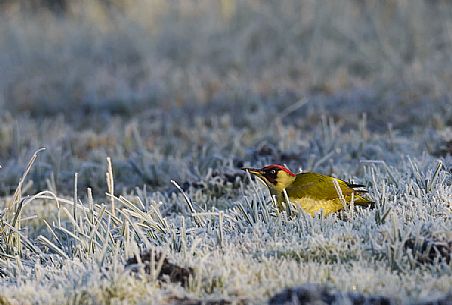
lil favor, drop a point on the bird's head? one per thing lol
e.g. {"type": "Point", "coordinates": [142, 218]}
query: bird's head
{"type": "Point", "coordinates": [276, 177]}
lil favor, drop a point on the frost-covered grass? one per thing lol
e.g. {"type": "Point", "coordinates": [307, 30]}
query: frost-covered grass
{"type": "Point", "coordinates": [166, 102]}
{"type": "Point", "coordinates": [237, 245]}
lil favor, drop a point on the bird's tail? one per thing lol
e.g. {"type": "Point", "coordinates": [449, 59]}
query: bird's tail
{"type": "Point", "coordinates": [363, 201]}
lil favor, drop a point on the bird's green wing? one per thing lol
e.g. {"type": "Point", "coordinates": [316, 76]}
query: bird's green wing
{"type": "Point", "coordinates": [321, 187]}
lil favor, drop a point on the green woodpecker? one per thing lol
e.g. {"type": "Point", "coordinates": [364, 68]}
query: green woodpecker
{"type": "Point", "coordinates": [311, 191]}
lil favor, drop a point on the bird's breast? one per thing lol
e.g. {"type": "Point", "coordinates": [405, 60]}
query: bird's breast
{"type": "Point", "coordinates": [314, 206]}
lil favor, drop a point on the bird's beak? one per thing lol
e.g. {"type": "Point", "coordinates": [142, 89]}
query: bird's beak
{"type": "Point", "coordinates": [254, 171]}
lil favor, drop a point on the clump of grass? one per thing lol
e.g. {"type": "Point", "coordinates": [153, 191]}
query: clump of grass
{"type": "Point", "coordinates": [159, 267]}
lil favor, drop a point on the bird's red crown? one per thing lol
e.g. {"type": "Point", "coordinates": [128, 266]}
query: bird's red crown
{"type": "Point", "coordinates": [279, 167]}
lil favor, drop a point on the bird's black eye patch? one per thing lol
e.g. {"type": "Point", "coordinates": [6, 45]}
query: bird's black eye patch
{"type": "Point", "coordinates": [270, 174]}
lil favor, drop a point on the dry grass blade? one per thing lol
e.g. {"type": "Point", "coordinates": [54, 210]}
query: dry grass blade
{"type": "Point", "coordinates": [52, 246]}
{"type": "Point", "coordinates": [18, 193]}
{"type": "Point", "coordinates": [198, 220]}
{"type": "Point", "coordinates": [110, 185]}
{"type": "Point", "coordinates": [13, 240]}
{"type": "Point", "coordinates": [431, 183]}
{"type": "Point", "coordinates": [292, 108]}
{"type": "Point", "coordinates": [288, 204]}
{"type": "Point", "coordinates": [340, 195]}
{"type": "Point", "coordinates": [74, 207]}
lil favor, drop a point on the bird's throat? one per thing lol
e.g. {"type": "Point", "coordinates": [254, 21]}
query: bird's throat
{"type": "Point", "coordinates": [283, 181]}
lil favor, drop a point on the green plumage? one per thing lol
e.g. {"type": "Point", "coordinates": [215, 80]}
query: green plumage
{"type": "Point", "coordinates": [320, 187]}
{"type": "Point", "coordinates": [315, 191]}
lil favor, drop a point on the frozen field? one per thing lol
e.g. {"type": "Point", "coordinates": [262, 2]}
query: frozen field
{"type": "Point", "coordinates": [148, 109]}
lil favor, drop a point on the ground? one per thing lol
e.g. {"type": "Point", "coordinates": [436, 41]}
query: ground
{"type": "Point", "coordinates": [147, 111]}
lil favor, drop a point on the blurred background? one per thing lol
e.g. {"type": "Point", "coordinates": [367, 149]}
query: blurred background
{"type": "Point", "coordinates": [157, 84]}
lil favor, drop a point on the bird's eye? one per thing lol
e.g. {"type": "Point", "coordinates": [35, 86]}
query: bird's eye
{"type": "Point", "coordinates": [273, 171]}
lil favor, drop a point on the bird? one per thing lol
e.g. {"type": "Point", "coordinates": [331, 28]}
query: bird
{"type": "Point", "coordinates": [313, 192]}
